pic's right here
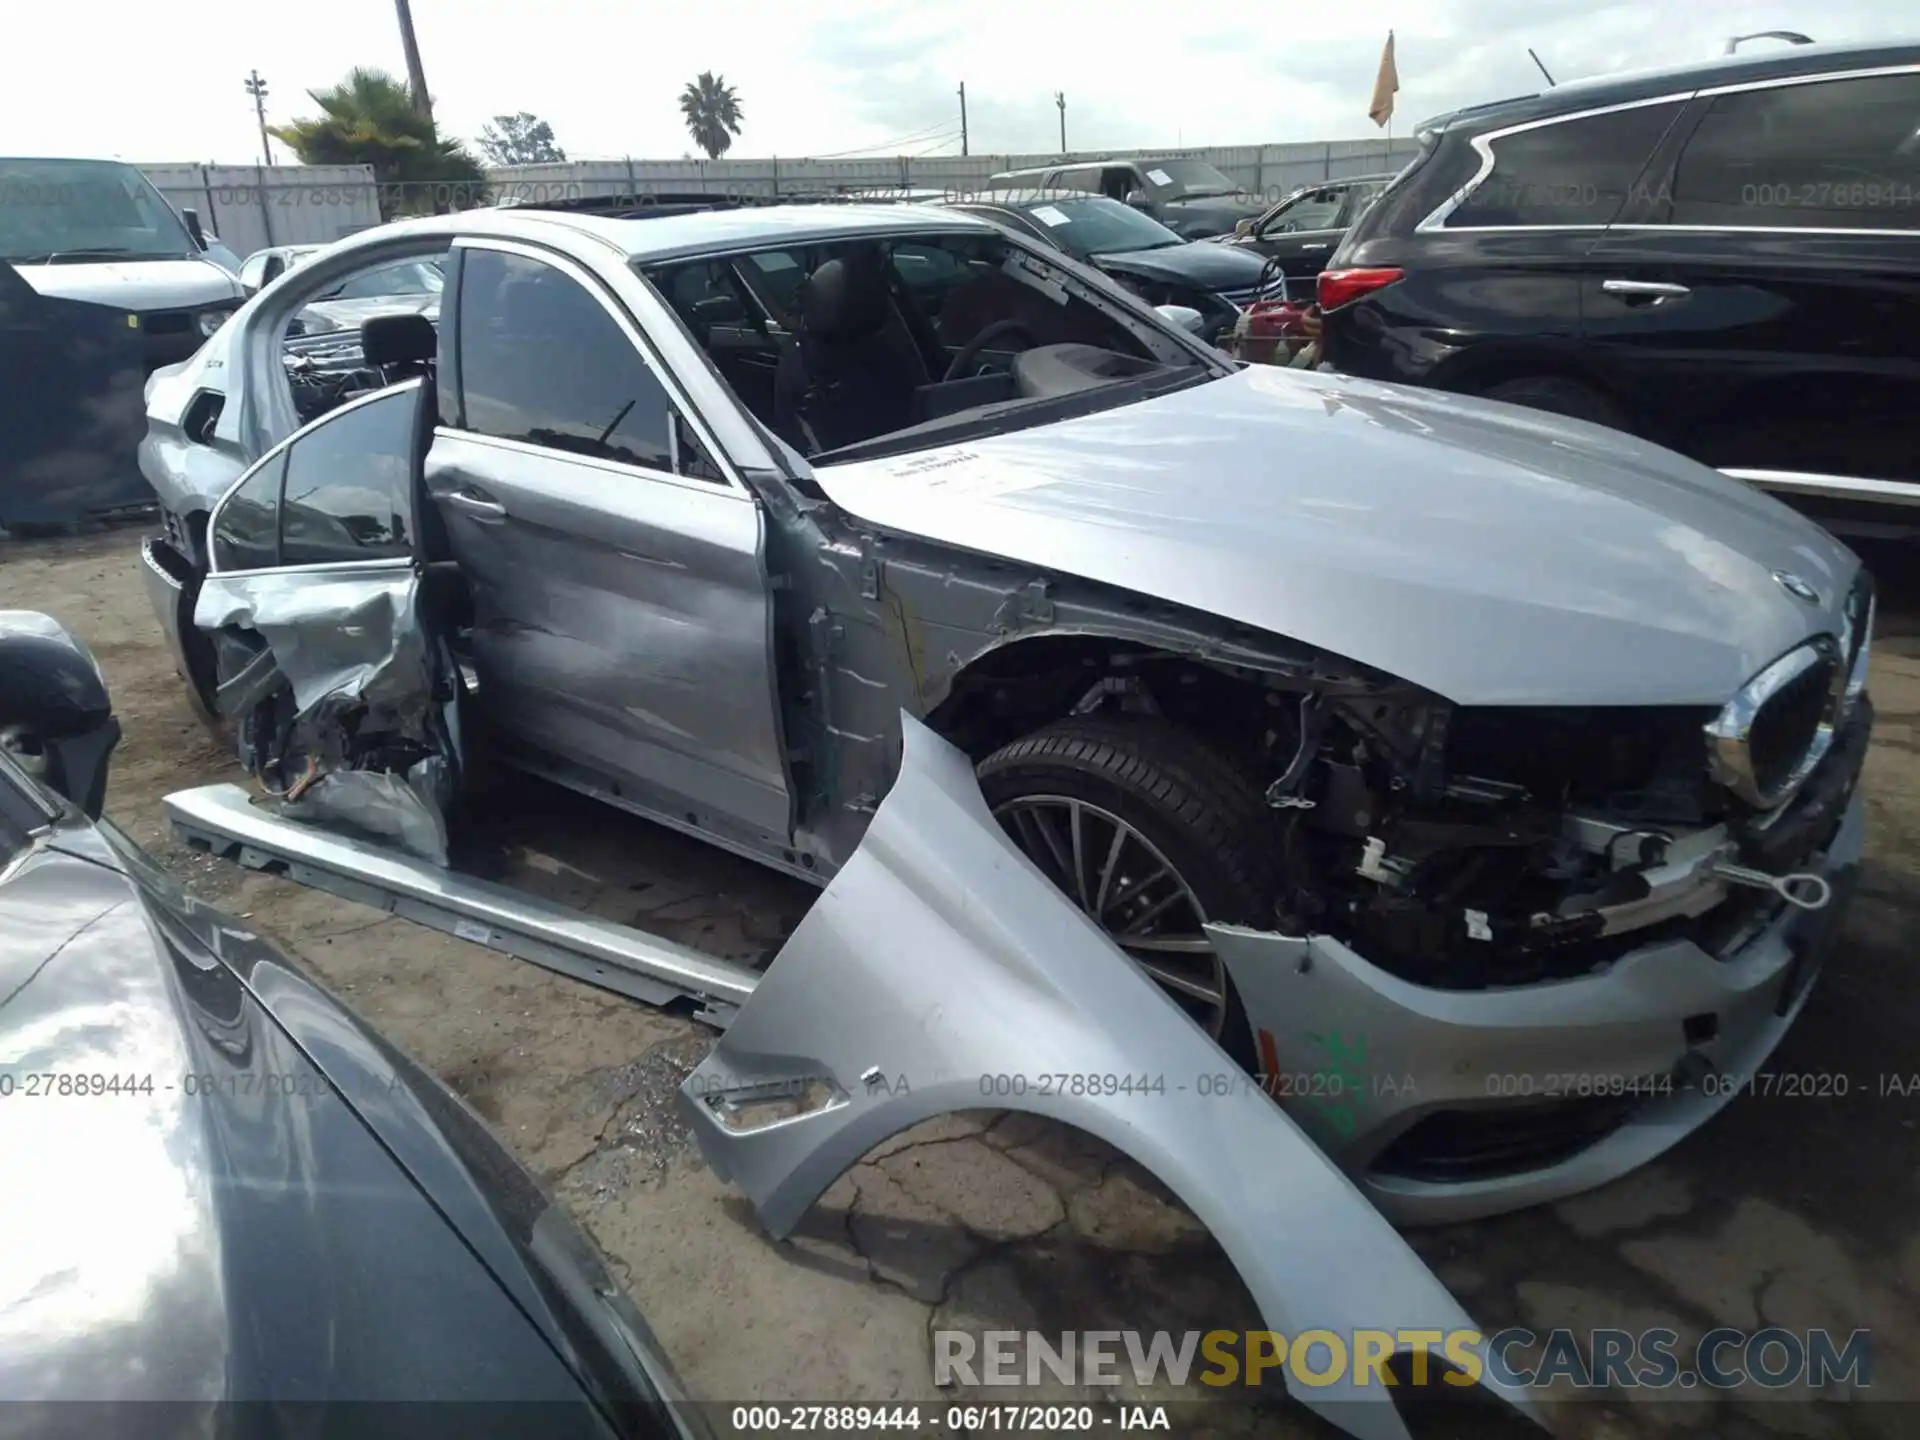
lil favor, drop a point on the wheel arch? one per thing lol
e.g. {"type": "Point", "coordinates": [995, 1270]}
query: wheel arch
{"type": "Point", "coordinates": [1477, 370]}
{"type": "Point", "coordinates": [1023, 681]}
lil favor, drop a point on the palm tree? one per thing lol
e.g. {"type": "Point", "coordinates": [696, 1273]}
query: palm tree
{"type": "Point", "coordinates": [712, 111]}
{"type": "Point", "coordinates": [370, 118]}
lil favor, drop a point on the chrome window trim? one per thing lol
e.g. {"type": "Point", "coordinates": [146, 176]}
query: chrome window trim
{"type": "Point", "coordinates": [636, 335]}
{"type": "Point", "coordinates": [1836, 487]}
{"type": "Point", "coordinates": [386, 392]}
{"type": "Point", "coordinates": [593, 462]}
{"type": "Point", "coordinates": [1759, 229]}
{"type": "Point", "coordinates": [1483, 145]}
{"type": "Point", "coordinates": [1780, 82]}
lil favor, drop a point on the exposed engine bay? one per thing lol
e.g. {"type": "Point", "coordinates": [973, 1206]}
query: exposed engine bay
{"type": "Point", "coordinates": [1463, 848]}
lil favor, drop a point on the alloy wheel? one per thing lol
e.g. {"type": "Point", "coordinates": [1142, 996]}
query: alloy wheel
{"type": "Point", "coordinates": [1125, 885]}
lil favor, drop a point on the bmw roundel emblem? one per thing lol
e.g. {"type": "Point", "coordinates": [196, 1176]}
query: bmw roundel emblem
{"type": "Point", "coordinates": [1796, 587]}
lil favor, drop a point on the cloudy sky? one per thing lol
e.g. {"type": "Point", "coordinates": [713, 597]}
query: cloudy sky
{"type": "Point", "coordinates": [164, 82]}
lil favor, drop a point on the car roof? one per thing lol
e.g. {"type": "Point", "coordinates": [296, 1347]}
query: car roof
{"type": "Point", "coordinates": [1021, 199]}
{"type": "Point", "coordinates": [669, 237]}
{"type": "Point", "coordinates": [1736, 69]}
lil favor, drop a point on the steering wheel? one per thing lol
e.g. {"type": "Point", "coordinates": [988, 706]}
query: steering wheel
{"type": "Point", "coordinates": [970, 352]}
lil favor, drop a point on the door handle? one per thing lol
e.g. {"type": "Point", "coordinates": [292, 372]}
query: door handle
{"type": "Point", "coordinates": [1654, 290]}
{"type": "Point", "coordinates": [477, 506]}
{"type": "Point", "coordinates": [1313, 247]}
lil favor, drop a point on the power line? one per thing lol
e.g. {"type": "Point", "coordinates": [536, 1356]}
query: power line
{"type": "Point", "coordinates": [941, 143]}
{"type": "Point", "coordinates": [945, 127]}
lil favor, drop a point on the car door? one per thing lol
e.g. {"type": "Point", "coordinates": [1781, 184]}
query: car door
{"type": "Point", "coordinates": [253, 272]}
{"type": "Point", "coordinates": [333, 658]}
{"type": "Point", "coordinates": [1759, 307]}
{"type": "Point", "coordinates": [1303, 231]}
{"type": "Point", "coordinates": [622, 625]}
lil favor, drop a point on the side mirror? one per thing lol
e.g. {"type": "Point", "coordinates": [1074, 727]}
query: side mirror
{"type": "Point", "coordinates": [56, 719]}
{"type": "Point", "coordinates": [192, 217]}
{"type": "Point", "coordinates": [1138, 200]}
{"type": "Point", "coordinates": [1184, 316]}
{"type": "Point", "coordinates": [1243, 227]}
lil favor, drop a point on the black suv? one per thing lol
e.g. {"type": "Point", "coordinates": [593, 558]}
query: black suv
{"type": "Point", "coordinates": [1724, 259]}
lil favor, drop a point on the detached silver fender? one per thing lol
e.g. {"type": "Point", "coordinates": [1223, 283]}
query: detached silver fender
{"type": "Point", "coordinates": [939, 955]}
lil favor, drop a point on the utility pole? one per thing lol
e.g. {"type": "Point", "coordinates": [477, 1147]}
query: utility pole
{"type": "Point", "coordinates": [257, 88]}
{"type": "Point", "coordinates": [416, 77]}
{"type": "Point", "coordinates": [963, 117]}
{"type": "Point", "coordinates": [1060, 99]}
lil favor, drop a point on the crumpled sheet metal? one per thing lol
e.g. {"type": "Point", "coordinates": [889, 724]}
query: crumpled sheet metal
{"type": "Point", "coordinates": [409, 809]}
{"type": "Point", "coordinates": [351, 636]}
{"type": "Point", "coordinates": [938, 956]}
{"type": "Point", "coordinates": [344, 641]}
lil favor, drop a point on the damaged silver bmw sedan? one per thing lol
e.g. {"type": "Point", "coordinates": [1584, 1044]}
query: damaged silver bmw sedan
{"type": "Point", "coordinates": [1483, 782]}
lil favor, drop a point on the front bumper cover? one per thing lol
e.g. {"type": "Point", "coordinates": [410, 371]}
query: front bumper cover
{"type": "Point", "coordinates": [1360, 1057]}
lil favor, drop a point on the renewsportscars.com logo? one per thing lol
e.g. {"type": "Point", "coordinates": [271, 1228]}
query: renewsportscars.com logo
{"type": "Point", "coordinates": [1724, 1359]}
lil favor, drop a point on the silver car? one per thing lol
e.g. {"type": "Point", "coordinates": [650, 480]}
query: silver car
{"type": "Point", "coordinates": [1483, 782]}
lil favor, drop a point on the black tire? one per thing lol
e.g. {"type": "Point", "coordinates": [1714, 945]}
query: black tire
{"type": "Point", "coordinates": [1202, 813]}
{"type": "Point", "coordinates": [1558, 395]}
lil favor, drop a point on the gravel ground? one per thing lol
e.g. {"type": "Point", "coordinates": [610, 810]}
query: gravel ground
{"type": "Point", "coordinates": [1789, 1211]}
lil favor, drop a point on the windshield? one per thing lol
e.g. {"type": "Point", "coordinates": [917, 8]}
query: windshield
{"type": "Point", "coordinates": [83, 210]}
{"type": "Point", "coordinates": [888, 345]}
{"type": "Point", "coordinates": [1173, 179]}
{"type": "Point", "coordinates": [1095, 225]}
{"type": "Point", "coordinates": [409, 277]}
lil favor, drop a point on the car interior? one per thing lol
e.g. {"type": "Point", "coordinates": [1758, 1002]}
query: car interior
{"type": "Point", "coordinates": [330, 368]}
{"type": "Point", "coordinates": [838, 345]}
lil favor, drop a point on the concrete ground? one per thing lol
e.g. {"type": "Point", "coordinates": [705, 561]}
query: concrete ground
{"type": "Point", "coordinates": [1786, 1210]}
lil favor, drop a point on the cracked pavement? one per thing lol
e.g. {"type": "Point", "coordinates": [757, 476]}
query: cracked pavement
{"type": "Point", "coordinates": [1787, 1211]}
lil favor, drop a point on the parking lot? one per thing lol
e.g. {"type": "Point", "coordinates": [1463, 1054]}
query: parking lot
{"type": "Point", "coordinates": [1793, 1209]}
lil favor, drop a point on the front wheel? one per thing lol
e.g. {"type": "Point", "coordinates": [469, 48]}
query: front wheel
{"type": "Point", "coordinates": [1153, 834]}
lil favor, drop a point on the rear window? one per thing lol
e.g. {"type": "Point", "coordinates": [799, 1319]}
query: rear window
{"type": "Point", "coordinates": [1569, 172]}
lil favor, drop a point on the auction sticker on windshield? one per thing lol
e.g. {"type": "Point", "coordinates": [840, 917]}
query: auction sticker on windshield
{"type": "Point", "coordinates": [1047, 215]}
{"type": "Point", "coordinates": [1160, 177]}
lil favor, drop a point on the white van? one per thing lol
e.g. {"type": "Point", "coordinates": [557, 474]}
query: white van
{"type": "Point", "coordinates": [96, 231]}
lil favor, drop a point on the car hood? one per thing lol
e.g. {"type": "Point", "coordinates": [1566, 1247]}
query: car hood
{"type": "Point", "coordinates": [1200, 263]}
{"type": "Point", "coordinates": [135, 284]}
{"type": "Point", "coordinates": [257, 1144]}
{"type": "Point", "coordinates": [1491, 554]}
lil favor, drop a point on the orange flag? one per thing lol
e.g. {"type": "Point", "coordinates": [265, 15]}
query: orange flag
{"type": "Point", "coordinates": [1385, 86]}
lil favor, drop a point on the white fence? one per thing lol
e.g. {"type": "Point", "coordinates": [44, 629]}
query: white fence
{"type": "Point", "coordinates": [1266, 170]}
{"type": "Point", "coordinates": [252, 206]}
